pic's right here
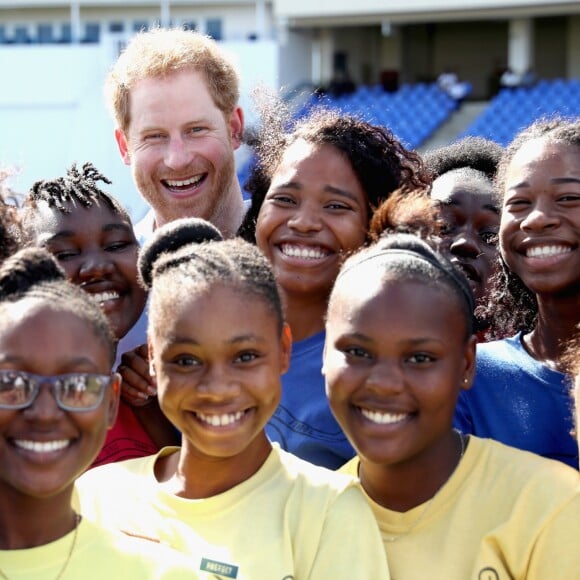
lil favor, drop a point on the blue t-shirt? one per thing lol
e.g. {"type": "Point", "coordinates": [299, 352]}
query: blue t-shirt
{"type": "Point", "coordinates": [519, 401]}
{"type": "Point", "coordinates": [303, 422]}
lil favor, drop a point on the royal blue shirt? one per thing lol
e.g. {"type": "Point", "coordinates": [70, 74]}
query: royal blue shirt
{"type": "Point", "coordinates": [519, 401]}
{"type": "Point", "coordinates": [303, 422]}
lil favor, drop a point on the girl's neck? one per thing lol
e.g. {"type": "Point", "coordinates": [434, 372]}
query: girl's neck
{"type": "Point", "coordinates": [556, 325]}
{"type": "Point", "coordinates": [406, 485]}
{"type": "Point", "coordinates": [27, 522]}
{"type": "Point", "coordinates": [192, 475]}
{"type": "Point", "coordinates": [305, 315]}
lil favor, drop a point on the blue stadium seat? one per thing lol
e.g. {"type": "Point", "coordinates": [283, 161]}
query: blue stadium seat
{"type": "Point", "coordinates": [412, 113]}
{"type": "Point", "coordinates": [511, 110]}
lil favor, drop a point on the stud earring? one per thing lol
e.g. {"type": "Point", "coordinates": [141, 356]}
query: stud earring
{"type": "Point", "coordinates": [465, 380]}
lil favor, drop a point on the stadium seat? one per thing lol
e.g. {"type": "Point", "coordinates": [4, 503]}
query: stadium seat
{"type": "Point", "coordinates": [511, 110]}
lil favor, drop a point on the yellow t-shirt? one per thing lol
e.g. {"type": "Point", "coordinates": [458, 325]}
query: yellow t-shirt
{"type": "Point", "coordinates": [98, 554]}
{"type": "Point", "coordinates": [290, 520]}
{"type": "Point", "coordinates": [503, 514]}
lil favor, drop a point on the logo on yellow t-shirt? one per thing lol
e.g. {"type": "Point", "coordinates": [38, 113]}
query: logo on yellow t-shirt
{"type": "Point", "coordinates": [220, 568]}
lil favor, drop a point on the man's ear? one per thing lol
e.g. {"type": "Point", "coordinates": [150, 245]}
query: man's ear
{"type": "Point", "coordinates": [114, 399]}
{"type": "Point", "coordinates": [236, 124]}
{"type": "Point", "coordinates": [123, 146]}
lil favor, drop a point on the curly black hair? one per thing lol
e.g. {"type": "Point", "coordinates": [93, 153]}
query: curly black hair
{"type": "Point", "coordinates": [571, 358]}
{"type": "Point", "coordinates": [475, 153]}
{"type": "Point", "coordinates": [379, 160]}
{"type": "Point", "coordinates": [10, 230]}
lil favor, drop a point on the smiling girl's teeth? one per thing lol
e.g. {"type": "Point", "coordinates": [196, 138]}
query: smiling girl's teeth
{"type": "Point", "coordinates": [183, 183]}
{"type": "Point", "coordinates": [41, 446]}
{"type": "Point", "coordinates": [547, 251]}
{"type": "Point", "coordinates": [382, 418]}
{"type": "Point", "coordinates": [104, 296]}
{"type": "Point", "coordinates": [220, 420]}
{"type": "Point", "coordinates": [308, 253]}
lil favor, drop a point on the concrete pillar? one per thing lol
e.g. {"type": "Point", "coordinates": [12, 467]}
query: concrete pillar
{"type": "Point", "coordinates": [75, 21]}
{"type": "Point", "coordinates": [322, 57]}
{"type": "Point", "coordinates": [282, 34]}
{"type": "Point", "coordinates": [391, 52]}
{"type": "Point", "coordinates": [165, 14]}
{"type": "Point", "coordinates": [521, 45]}
{"type": "Point", "coordinates": [261, 19]}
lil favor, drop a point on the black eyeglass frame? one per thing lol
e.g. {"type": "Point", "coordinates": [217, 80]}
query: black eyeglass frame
{"type": "Point", "coordinates": [56, 384]}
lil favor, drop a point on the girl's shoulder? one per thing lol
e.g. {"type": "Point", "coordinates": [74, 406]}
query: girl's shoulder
{"type": "Point", "coordinates": [509, 358]}
{"type": "Point", "coordinates": [302, 472]}
{"type": "Point", "coordinates": [501, 346]}
{"type": "Point", "coordinates": [517, 469]}
{"type": "Point", "coordinates": [120, 479]}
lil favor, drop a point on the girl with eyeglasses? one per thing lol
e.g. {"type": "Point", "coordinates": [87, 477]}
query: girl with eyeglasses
{"type": "Point", "coordinates": [57, 400]}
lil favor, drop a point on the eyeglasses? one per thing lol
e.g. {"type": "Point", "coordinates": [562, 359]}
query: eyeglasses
{"type": "Point", "coordinates": [72, 392]}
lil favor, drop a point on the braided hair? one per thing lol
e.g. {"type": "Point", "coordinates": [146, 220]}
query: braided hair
{"type": "Point", "coordinates": [76, 187]}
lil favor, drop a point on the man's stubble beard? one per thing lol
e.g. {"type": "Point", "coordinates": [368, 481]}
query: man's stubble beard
{"type": "Point", "coordinates": [212, 206]}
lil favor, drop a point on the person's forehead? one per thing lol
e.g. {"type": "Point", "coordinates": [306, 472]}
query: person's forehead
{"type": "Point", "coordinates": [78, 217]}
{"type": "Point", "coordinates": [154, 88]}
{"type": "Point", "coordinates": [464, 181]}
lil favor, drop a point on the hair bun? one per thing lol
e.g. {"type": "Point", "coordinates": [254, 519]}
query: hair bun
{"type": "Point", "coordinates": [171, 237]}
{"type": "Point", "coordinates": [27, 268]}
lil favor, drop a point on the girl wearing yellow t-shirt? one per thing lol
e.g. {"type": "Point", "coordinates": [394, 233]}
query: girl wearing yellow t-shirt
{"type": "Point", "coordinates": [218, 344]}
{"type": "Point", "coordinates": [400, 347]}
{"type": "Point", "coordinates": [57, 400]}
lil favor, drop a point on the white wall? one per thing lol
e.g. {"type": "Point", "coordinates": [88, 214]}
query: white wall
{"type": "Point", "coordinates": [239, 17]}
{"type": "Point", "coordinates": [52, 111]}
{"type": "Point", "coordinates": [407, 10]}
{"type": "Point", "coordinates": [295, 64]}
